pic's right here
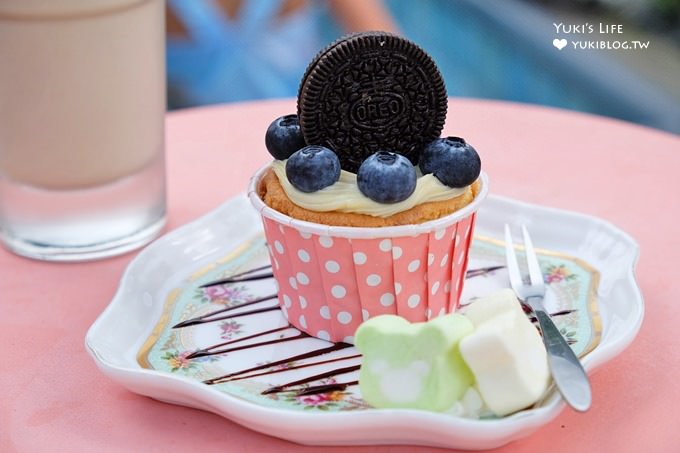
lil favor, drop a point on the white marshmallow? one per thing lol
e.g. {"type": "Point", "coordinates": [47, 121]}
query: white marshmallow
{"type": "Point", "coordinates": [505, 353]}
{"type": "Point", "coordinates": [494, 304]}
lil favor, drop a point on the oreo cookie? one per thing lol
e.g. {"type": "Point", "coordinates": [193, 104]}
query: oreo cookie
{"type": "Point", "coordinates": [370, 92]}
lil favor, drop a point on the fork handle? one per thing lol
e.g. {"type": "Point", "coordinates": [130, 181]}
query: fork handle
{"type": "Point", "coordinates": [569, 376]}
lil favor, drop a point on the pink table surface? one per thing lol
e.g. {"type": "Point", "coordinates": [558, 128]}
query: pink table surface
{"type": "Point", "coordinates": [52, 397]}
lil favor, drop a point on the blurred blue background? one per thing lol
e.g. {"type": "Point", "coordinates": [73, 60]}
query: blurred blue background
{"type": "Point", "coordinates": [496, 49]}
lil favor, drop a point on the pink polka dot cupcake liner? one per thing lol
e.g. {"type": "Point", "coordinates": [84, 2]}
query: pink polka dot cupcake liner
{"type": "Point", "coordinates": [331, 279]}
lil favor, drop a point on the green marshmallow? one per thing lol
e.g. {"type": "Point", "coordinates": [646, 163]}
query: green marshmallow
{"type": "Point", "coordinates": [417, 366]}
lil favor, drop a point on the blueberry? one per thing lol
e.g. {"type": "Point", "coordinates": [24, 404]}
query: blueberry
{"type": "Point", "coordinates": [284, 137]}
{"type": "Point", "coordinates": [312, 168]}
{"type": "Point", "coordinates": [387, 177]}
{"type": "Point", "coordinates": [452, 161]}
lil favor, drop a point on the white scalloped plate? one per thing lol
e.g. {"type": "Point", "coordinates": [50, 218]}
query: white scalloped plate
{"type": "Point", "coordinates": [136, 318]}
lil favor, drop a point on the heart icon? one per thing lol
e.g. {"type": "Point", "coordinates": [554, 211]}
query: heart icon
{"type": "Point", "coordinates": [560, 43]}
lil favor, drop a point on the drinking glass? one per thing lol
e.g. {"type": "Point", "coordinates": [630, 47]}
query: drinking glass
{"type": "Point", "coordinates": [82, 104]}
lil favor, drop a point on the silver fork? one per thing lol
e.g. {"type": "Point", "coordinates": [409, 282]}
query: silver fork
{"type": "Point", "coordinates": [569, 376]}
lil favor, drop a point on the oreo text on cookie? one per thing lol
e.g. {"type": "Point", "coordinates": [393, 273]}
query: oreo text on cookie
{"type": "Point", "coordinates": [377, 110]}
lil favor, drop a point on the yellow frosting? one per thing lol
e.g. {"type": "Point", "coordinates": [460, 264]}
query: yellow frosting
{"type": "Point", "coordinates": [344, 195]}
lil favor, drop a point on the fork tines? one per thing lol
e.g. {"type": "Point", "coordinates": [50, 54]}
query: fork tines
{"type": "Point", "coordinates": [516, 281]}
{"type": "Point", "coordinates": [535, 275]}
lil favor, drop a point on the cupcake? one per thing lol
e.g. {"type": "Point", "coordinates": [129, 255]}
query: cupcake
{"type": "Point", "coordinates": [366, 209]}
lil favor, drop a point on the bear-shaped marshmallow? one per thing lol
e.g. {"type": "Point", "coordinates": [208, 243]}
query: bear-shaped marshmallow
{"type": "Point", "coordinates": [416, 366]}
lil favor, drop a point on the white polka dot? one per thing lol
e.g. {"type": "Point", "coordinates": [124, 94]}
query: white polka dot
{"type": "Point", "coordinates": [457, 241]}
{"type": "Point", "coordinates": [279, 247]}
{"type": "Point", "coordinates": [284, 311]}
{"type": "Point", "coordinates": [445, 259]}
{"type": "Point", "coordinates": [447, 286]}
{"type": "Point", "coordinates": [430, 259]}
{"type": "Point", "coordinates": [325, 312]}
{"type": "Point", "coordinates": [435, 288]}
{"type": "Point", "coordinates": [442, 312]}
{"type": "Point", "coordinates": [359, 258]}
{"type": "Point", "coordinates": [303, 302]}
{"type": "Point", "coordinates": [292, 282]}
{"type": "Point", "coordinates": [364, 314]}
{"type": "Point", "coordinates": [428, 313]}
{"type": "Point", "coordinates": [397, 288]}
{"type": "Point", "coordinates": [286, 301]}
{"type": "Point", "coordinates": [303, 322]}
{"type": "Point", "coordinates": [281, 229]}
{"type": "Point", "coordinates": [438, 234]}
{"type": "Point", "coordinates": [332, 266]}
{"type": "Point", "coordinates": [349, 340]}
{"type": "Point", "coordinates": [413, 265]}
{"type": "Point", "coordinates": [303, 255]}
{"type": "Point", "coordinates": [276, 264]}
{"type": "Point", "coordinates": [323, 335]}
{"type": "Point", "coordinates": [325, 242]}
{"type": "Point", "coordinates": [385, 245]}
{"type": "Point", "coordinates": [344, 317]}
{"type": "Point", "coordinates": [396, 253]}
{"type": "Point", "coordinates": [338, 291]}
{"type": "Point", "coordinates": [373, 280]}
{"type": "Point", "coordinates": [413, 301]}
{"type": "Point", "coordinates": [302, 278]}
{"type": "Point", "coordinates": [305, 235]}
{"type": "Point", "coordinates": [387, 299]}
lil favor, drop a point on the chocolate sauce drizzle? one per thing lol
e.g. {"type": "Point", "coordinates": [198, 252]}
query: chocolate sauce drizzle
{"type": "Point", "coordinates": [307, 355]}
{"type": "Point", "coordinates": [286, 387]}
{"type": "Point", "coordinates": [204, 352]}
{"type": "Point", "coordinates": [296, 367]}
{"type": "Point", "coordinates": [482, 271]}
{"type": "Point", "coordinates": [323, 388]}
{"type": "Point", "coordinates": [210, 349]}
{"type": "Point", "coordinates": [299, 386]}
{"type": "Point", "coordinates": [242, 277]}
{"type": "Point", "coordinates": [209, 316]}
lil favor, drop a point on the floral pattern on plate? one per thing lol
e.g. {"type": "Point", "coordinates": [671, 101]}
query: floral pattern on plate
{"type": "Point", "coordinates": [571, 298]}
